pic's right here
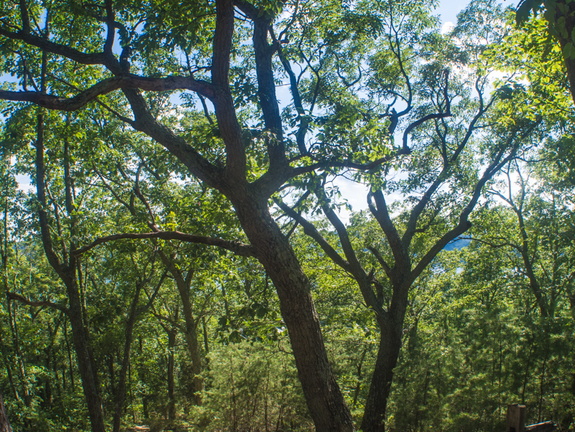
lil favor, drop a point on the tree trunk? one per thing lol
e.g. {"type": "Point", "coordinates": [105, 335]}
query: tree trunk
{"type": "Point", "coordinates": [381, 380]}
{"type": "Point", "coordinates": [565, 9]}
{"type": "Point", "coordinates": [4, 423]}
{"type": "Point", "coordinates": [191, 331]}
{"type": "Point", "coordinates": [85, 359]}
{"type": "Point", "coordinates": [171, 411]}
{"type": "Point", "coordinates": [193, 346]}
{"type": "Point", "coordinates": [391, 331]}
{"type": "Point", "coordinates": [323, 396]}
{"type": "Point", "coordinates": [122, 389]}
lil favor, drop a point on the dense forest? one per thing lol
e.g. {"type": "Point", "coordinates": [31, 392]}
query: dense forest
{"type": "Point", "coordinates": [286, 215]}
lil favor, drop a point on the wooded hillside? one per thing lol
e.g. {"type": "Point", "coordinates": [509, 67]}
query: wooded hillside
{"type": "Point", "coordinates": [286, 215]}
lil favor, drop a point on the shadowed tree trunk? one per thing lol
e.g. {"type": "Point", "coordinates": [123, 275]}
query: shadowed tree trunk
{"type": "Point", "coordinates": [67, 273]}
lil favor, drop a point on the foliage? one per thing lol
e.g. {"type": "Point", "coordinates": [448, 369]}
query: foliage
{"type": "Point", "coordinates": [185, 256]}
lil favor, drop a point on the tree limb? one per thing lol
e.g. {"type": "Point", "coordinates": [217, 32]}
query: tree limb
{"type": "Point", "coordinates": [22, 299]}
{"type": "Point", "coordinates": [235, 247]}
{"type": "Point", "coordinates": [108, 85]}
{"type": "Point", "coordinates": [55, 48]}
{"type": "Point", "coordinates": [312, 232]}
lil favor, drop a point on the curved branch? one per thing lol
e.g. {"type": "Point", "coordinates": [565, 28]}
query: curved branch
{"type": "Point", "coordinates": [235, 247]}
{"type": "Point", "coordinates": [55, 48]}
{"type": "Point", "coordinates": [21, 299]}
{"type": "Point", "coordinates": [108, 85]}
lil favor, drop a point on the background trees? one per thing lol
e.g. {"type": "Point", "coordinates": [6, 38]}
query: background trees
{"type": "Point", "coordinates": [177, 162]}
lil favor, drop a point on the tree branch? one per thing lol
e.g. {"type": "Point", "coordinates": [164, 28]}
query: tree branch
{"type": "Point", "coordinates": [108, 85]}
{"type": "Point", "coordinates": [312, 232]}
{"type": "Point", "coordinates": [229, 126]}
{"type": "Point", "coordinates": [55, 48]}
{"type": "Point", "coordinates": [235, 247]}
{"type": "Point", "coordinates": [21, 299]}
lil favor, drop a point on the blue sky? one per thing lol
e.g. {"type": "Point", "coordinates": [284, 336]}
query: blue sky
{"type": "Point", "coordinates": [448, 9]}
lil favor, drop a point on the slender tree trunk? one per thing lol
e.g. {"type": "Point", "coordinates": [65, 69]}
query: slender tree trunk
{"type": "Point", "coordinates": [171, 375]}
{"type": "Point", "coordinates": [323, 396]}
{"type": "Point", "coordinates": [192, 343]}
{"type": "Point", "coordinates": [19, 363]}
{"type": "Point", "coordinates": [191, 331]}
{"type": "Point", "coordinates": [121, 391]}
{"type": "Point", "coordinates": [85, 359]}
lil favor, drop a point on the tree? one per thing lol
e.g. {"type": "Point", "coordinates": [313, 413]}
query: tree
{"type": "Point", "coordinates": [560, 17]}
{"type": "Point", "coordinates": [226, 168]}
{"type": "Point", "coordinates": [442, 110]}
{"type": "Point", "coordinates": [4, 423]}
{"type": "Point", "coordinates": [366, 95]}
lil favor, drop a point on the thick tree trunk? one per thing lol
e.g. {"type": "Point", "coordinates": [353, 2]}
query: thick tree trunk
{"type": "Point", "coordinates": [391, 330]}
{"type": "Point", "coordinates": [323, 396]}
{"type": "Point", "coordinates": [381, 380]}
{"type": "Point", "coordinates": [565, 9]}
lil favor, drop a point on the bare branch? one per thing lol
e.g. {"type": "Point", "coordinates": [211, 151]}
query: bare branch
{"type": "Point", "coordinates": [108, 85]}
{"type": "Point", "coordinates": [235, 247]}
{"type": "Point", "coordinates": [21, 299]}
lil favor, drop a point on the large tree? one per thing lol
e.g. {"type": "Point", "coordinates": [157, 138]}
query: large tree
{"type": "Point", "coordinates": [143, 48]}
{"type": "Point", "coordinates": [442, 108]}
{"type": "Point", "coordinates": [363, 94]}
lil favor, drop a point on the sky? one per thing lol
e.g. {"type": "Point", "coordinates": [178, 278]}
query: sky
{"type": "Point", "coordinates": [448, 9]}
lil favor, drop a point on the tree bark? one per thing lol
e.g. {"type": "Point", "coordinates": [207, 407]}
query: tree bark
{"type": "Point", "coordinates": [382, 378]}
{"type": "Point", "coordinates": [171, 409]}
{"type": "Point", "coordinates": [565, 9]}
{"type": "Point", "coordinates": [85, 359]}
{"type": "Point", "coordinates": [191, 330]}
{"type": "Point", "coordinates": [121, 391]}
{"type": "Point", "coordinates": [323, 396]}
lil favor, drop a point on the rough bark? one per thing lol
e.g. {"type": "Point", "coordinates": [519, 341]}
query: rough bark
{"type": "Point", "coordinates": [390, 324]}
{"type": "Point", "coordinates": [121, 391]}
{"type": "Point", "coordinates": [323, 396]}
{"type": "Point", "coordinates": [191, 329]}
{"type": "Point", "coordinates": [565, 12]}
{"type": "Point", "coordinates": [85, 359]}
{"type": "Point", "coordinates": [382, 378]}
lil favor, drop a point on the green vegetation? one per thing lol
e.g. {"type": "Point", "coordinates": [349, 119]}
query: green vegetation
{"type": "Point", "coordinates": [186, 258]}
